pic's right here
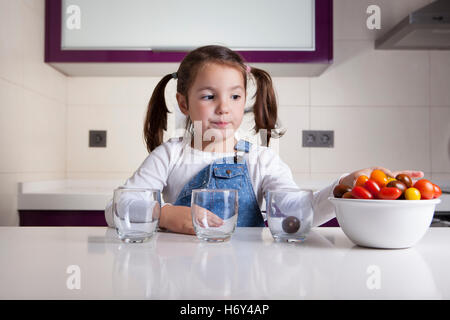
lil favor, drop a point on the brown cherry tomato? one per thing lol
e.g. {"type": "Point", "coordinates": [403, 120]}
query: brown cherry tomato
{"type": "Point", "coordinates": [361, 180]}
{"type": "Point", "coordinates": [426, 188]}
{"type": "Point", "coordinates": [340, 190]}
{"type": "Point", "coordinates": [397, 184]}
{"type": "Point", "coordinates": [361, 193]}
{"type": "Point", "coordinates": [389, 193]}
{"type": "Point", "coordinates": [405, 179]}
{"type": "Point", "coordinates": [372, 187]}
{"type": "Point", "coordinates": [437, 191]}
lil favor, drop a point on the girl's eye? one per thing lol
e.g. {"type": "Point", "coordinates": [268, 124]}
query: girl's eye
{"type": "Point", "coordinates": [236, 96]}
{"type": "Point", "coordinates": [208, 97]}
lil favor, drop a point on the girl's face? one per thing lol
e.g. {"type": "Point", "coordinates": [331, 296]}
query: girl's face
{"type": "Point", "coordinates": [217, 99]}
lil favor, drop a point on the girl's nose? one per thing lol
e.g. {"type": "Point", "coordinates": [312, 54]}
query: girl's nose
{"type": "Point", "coordinates": [222, 107]}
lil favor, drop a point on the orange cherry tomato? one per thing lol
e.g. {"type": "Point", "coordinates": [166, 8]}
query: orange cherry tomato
{"type": "Point", "coordinates": [379, 177]}
{"type": "Point", "coordinates": [437, 191]}
{"type": "Point", "coordinates": [389, 193]}
{"type": "Point", "coordinates": [426, 188]}
{"type": "Point", "coordinates": [361, 180]}
{"type": "Point", "coordinates": [372, 187]}
{"type": "Point", "coordinates": [348, 195]}
{"type": "Point", "coordinates": [360, 192]}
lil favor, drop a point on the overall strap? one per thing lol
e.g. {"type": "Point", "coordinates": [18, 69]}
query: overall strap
{"type": "Point", "coordinates": [242, 147]}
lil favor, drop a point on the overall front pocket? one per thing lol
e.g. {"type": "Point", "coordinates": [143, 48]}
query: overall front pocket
{"type": "Point", "coordinates": [228, 177]}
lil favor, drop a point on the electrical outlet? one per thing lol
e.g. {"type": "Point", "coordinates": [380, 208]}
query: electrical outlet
{"type": "Point", "coordinates": [318, 138]}
{"type": "Point", "coordinates": [97, 138]}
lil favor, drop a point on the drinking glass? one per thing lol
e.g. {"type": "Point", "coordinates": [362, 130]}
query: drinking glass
{"type": "Point", "coordinates": [214, 213]}
{"type": "Point", "coordinates": [136, 213]}
{"type": "Point", "coordinates": [289, 214]}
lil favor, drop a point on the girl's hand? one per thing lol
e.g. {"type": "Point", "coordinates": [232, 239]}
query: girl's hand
{"type": "Point", "coordinates": [205, 218]}
{"type": "Point", "coordinates": [351, 178]}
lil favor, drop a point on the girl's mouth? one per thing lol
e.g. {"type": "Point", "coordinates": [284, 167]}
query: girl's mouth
{"type": "Point", "coordinates": [220, 124]}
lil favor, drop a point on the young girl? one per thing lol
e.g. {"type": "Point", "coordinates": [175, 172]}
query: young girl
{"type": "Point", "coordinates": [212, 93]}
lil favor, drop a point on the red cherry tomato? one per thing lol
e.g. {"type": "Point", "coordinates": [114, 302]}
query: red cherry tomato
{"type": "Point", "coordinates": [437, 191]}
{"type": "Point", "coordinates": [426, 188]}
{"type": "Point", "coordinates": [372, 187]}
{"type": "Point", "coordinates": [389, 193]}
{"type": "Point", "coordinates": [361, 193]}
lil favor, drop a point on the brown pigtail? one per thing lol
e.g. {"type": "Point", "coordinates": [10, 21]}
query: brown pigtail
{"type": "Point", "coordinates": [156, 118]}
{"type": "Point", "coordinates": [265, 107]}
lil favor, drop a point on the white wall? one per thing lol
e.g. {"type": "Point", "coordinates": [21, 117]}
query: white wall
{"type": "Point", "coordinates": [32, 105]}
{"type": "Point", "coordinates": [388, 108]}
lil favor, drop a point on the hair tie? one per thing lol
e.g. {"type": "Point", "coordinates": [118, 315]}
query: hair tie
{"type": "Point", "coordinates": [248, 68]}
{"type": "Point", "coordinates": [175, 75]}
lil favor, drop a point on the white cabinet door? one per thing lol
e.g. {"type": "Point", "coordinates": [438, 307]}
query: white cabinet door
{"type": "Point", "coordinates": [171, 25]}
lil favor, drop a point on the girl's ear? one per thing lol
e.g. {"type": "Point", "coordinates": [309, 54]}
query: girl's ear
{"type": "Point", "coordinates": [182, 104]}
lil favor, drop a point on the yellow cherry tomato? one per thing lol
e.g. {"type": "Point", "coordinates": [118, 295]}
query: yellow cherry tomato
{"type": "Point", "coordinates": [361, 180]}
{"type": "Point", "coordinates": [391, 179]}
{"type": "Point", "coordinates": [379, 177]}
{"type": "Point", "coordinates": [412, 194]}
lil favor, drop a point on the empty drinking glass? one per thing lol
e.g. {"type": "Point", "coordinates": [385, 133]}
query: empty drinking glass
{"type": "Point", "coordinates": [214, 213]}
{"type": "Point", "coordinates": [289, 214]}
{"type": "Point", "coordinates": [136, 213]}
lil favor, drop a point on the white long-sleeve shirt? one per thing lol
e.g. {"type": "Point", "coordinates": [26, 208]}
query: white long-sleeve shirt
{"type": "Point", "coordinates": [174, 163]}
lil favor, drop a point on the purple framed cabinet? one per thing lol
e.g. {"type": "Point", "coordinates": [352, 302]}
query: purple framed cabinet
{"type": "Point", "coordinates": [54, 218]}
{"type": "Point", "coordinates": [75, 62]}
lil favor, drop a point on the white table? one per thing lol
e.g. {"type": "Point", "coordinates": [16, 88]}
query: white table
{"type": "Point", "coordinates": [47, 262]}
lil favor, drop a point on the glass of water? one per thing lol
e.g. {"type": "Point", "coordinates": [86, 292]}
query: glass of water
{"type": "Point", "coordinates": [136, 213]}
{"type": "Point", "coordinates": [289, 214]}
{"type": "Point", "coordinates": [214, 213]}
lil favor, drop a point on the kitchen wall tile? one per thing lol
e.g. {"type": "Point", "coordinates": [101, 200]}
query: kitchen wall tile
{"type": "Point", "coordinates": [32, 131]}
{"type": "Point", "coordinates": [292, 91]}
{"type": "Point", "coordinates": [125, 149]}
{"type": "Point", "coordinates": [38, 6]}
{"type": "Point", "coordinates": [361, 76]}
{"type": "Point", "coordinates": [440, 139]}
{"type": "Point", "coordinates": [440, 78]}
{"type": "Point", "coordinates": [11, 47]}
{"type": "Point", "coordinates": [8, 210]}
{"type": "Point", "coordinates": [350, 17]}
{"type": "Point", "coordinates": [393, 137]}
{"type": "Point", "coordinates": [39, 76]}
{"type": "Point", "coordinates": [111, 90]}
{"type": "Point", "coordinates": [289, 147]}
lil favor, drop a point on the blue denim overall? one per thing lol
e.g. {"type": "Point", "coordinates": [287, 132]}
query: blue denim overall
{"type": "Point", "coordinates": [228, 173]}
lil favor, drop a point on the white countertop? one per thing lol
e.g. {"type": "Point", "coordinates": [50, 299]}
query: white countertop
{"type": "Point", "coordinates": [34, 263]}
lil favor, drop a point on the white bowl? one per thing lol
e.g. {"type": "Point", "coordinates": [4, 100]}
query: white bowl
{"type": "Point", "coordinates": [388, 224]}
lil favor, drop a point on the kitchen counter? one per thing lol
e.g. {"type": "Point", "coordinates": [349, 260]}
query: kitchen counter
{"type": "Point", "coordinates": [49, 262]}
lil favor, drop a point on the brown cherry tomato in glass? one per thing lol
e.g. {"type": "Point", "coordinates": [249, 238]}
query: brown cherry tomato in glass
{"type": "Point", "coordinates": [437, 191]}
{"type": "Point", "coordinates": [405, 179]}
{"type": "Point", "coordinates": [426, 188]}
{"type": "Point", "coordinates": [361, 193]}
{"type": "Point", "coordinates": [372, 187]}
{"type": "Point", "coordinates": [348, 195]}
{"type": "Point", "coordinates": [379, 177]}
{"type": "Point", "coordinates": [389, 193]}
{"type": "Point", "coordinates": [361, 180]}
{"type": "Point", "coordinates": [340, 189]}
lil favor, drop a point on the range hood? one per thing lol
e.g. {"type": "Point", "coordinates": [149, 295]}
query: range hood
{"type": "Point", "coordinates": [424, 29]}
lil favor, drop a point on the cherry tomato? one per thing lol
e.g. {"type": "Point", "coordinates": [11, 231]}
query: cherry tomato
{"type": "Point", "coordinates": [426, 188]}
{"type": "Point", "coordinates": [389, 193]}
{"type": "Point", "coordinates": [348, 195]}
{"type": "Point", "coordinates": [405, 179]}
{"type": "Point", "coordinates": [361, 180]}
{"type": "Point", "coordinates": [360, 192]}
{"type": "Point", "coordinates": [437, 191]}
{"type": "Point", "coordinates": [391, 179]}
{"type": "Point", "coordinates": [372, 187]}
{"type": "Point", "coordinates": [379, 177]}
{"type": "Point", "coordinates": [412, 194]}
{"type": "Point", "coordinates": [340, 189]}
